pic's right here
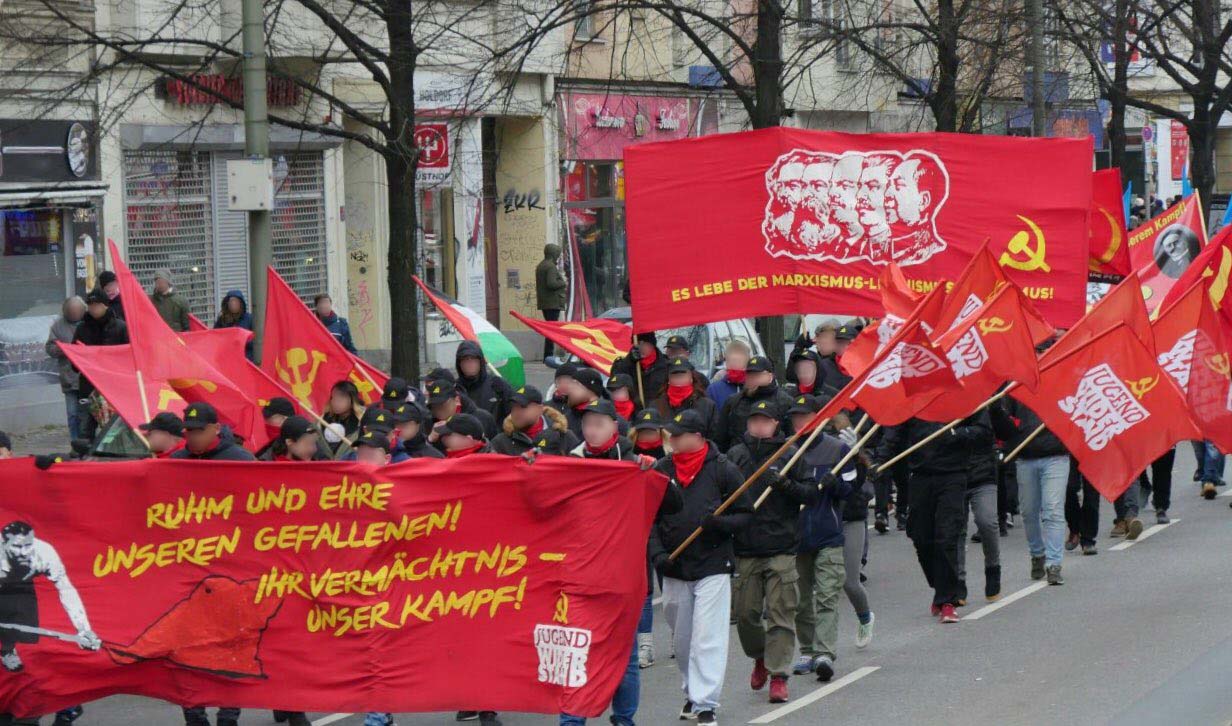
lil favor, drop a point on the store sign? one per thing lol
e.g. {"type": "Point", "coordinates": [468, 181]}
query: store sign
{"type": "Point", "coordinates": [40, 150]}
{"type": "Point", "coordinates": [600, 125]}
{"type": "Point", "coordinates": [207, 89]}
{"type": "Point", "coordinates": [1180, 150]}
{"type": "Point", "coordinates": [432, 140]}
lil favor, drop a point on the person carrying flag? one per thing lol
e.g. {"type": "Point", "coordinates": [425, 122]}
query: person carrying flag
{"type": "Point", "coordinates": [645, 362]}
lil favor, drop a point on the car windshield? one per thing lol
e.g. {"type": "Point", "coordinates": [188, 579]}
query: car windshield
{"type": "Point", "coordinates": [118, 440]}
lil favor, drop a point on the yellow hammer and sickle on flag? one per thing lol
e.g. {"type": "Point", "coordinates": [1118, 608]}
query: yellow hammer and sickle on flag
{"type": "Point", "coordinates": [1218, 289]}
{"type": "Point", "coordinates": [166, 395]}
{"type": "Point", "coordinates": [177, 383]}
{"type": "Point", "coordinates": [562, 609]}
{"type": "Point", "coordinates": [293, 374]}
{"type": "Point", "coordinates": [1142, 386]}
{"type": "Point", "coordinates": [994, 325]}
{"type": "Point", "coordinates": [1118, 236]}
{"type": "Point", "coordinates": [363, 385]}
{"type": "Point", "coordinates": [1219, 363]}
{"type": "Point", "coordinates": [1020, 244]}
{"type": "Point", "coordinates": [594, 342]}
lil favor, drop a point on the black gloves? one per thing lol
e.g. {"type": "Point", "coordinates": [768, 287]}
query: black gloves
{"type": "Point", "coordinates": [664, 565]}
{"type": "Point", "coordinates": [778, 482]}
{"type": "Point", "coordinates": [44, 461]}
{"type": "Point", "coordinates": [827, 480]}
{"type": "Point", "coordinates": [713, 523]}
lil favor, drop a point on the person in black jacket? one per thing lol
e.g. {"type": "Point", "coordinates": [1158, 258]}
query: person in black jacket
{"type": "Point", "coordinates": [682, 393]}
{"type": "Point", "coordinates": [759, 385]}
{"type": "Point", "coordinates": [646, 433]}
{"type": "Point", "coordinates": [205, 438]}
{"type": "Point", "coordinates": [938, 486]}
{"type": "Point", "coordinates": [480, 382]}
{"type": "Point", "coordinates": [646, 366]}
{"type": "Point", "coordinates": [563, 381]}
{"type": "Point", "coordinates": [585, 388]}
{"type": "Point", "coordinates": [412, 420]}
{"type": "Point", "coordinates": [100, 326]}
{"type": "Point", "coordinates": [601, 435]}
{"type": "Point", "coordinates": [445, 400]}
{"type": "Point", "coordinates": [697, 584]}
{"type": "Point", "coordinates": [532, 425]}
{"type": "Point", "coordinates": [832, 377]}
{"type": "Point", "coordinates": [1042, 469]}
{"type": "Point", "coordinates": [109, 286]}
{"type": "Point", "coordinates": [981, 500]}
{"type": "Point", "coordinates": [345, 408]}
{"type": "Point", "coordinates": [623, 392]}
{"type": "Point", "coordinates": [766, 597]}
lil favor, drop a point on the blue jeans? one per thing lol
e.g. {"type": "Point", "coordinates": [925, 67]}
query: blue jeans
{"type": "Point", "coordinates": [1210, 461]}
{"type": "Point", "coordinates": [72, 412]}
{"type": "Point", "coordinates": [624, 702]}
{"type": "Point", "coordinates": [645, 624]}
{"type": "Point", "coordinates": [376, 718]}
{"type": "Point", "coordinates": [1041, 497]}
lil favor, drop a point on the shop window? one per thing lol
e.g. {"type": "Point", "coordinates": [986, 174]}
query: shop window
{"type": "Point", "coordinates": [33, 278]}
{"type": "Point", "coordinates": [595, 229]}
{"type": "Point", "coordinates": [435, 215]}
{"type": "Point", "coordinates": [298, 223]}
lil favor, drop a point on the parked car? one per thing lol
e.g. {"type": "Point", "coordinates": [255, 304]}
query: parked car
{"type": "Point", "coordinates": [115, 441]}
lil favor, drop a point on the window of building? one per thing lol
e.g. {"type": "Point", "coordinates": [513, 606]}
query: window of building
{"type": "Point", "coordinates": [33, 277]}
{"type": "Point", "coordinates": [595, 228]}
{"type": "Point", "coordinates": [297, 224]}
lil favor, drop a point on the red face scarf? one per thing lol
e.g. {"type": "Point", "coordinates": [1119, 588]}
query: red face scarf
{"type": "Point", "coordinates": [624, 408]}
{"type": "Point", "coordinates": [677, 395]}
{"type": "Point", "coordinates": [167, 454]}
{"type": "Point", "coordinates": [649, 360]}
{"type": "Point", "coordinates": [647, 445]}
{"type": "Point", "coordinates": [805, 388]}
{"type": "Point", "coordinates": [459, 453]}
{"type": "Point", "coordinates": [599, 450]}
{"type": "Point", "coordinates": [736, 378]}
{"type": "Point", "coordinates": [534, 429]}
{"type": "Point", "coordinates": [688, 465]}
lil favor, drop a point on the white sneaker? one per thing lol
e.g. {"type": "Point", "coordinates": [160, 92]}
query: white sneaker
{"type": "Point", "coordinates": [11, 661]}
{"type": "Point", "coordinates": [645, 650]}
{"type": "Point", "coordinates": [864, 632]}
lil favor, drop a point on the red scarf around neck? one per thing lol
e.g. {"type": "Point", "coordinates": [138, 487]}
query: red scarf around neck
{"type": "Point", "coordinates": [806, 388]}
{"type": "Point", "coordinates": [649, 360]}
{"type": "Point", "coordinates": [688, 465]}
{"type": "Point", "coordinates": [677, 395]}
{"type": "Point", "coordinates": [736, 378]}
{"type": "Point", "coordinates": [648, 445]}
{"type": "Point", "coordinates": [534, 429]}
{"type": "Point", "coordinates": [459, 453]}
{"type": "Point", "coordinates": [624, 408]}
{"type": "Point", "coordinates": [603, 449]}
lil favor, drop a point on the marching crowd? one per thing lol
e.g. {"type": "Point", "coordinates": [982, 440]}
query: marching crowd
{"type": "Point", "coordinates": [776, 562]}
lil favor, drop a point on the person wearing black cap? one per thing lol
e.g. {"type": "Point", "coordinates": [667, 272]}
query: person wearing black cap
{"type": "Point", "coordinates": [646, 433]}
{"type": "Point", "coordinates": [759, 385]}
{"type": "Point", "coordinates": [372, 447]}
{"type": "Point", "coordinates": [831, 375]}
{"type": "Point", "coordinates": [396, 392]}
{"type": "Point", "coordinates": [586, 388]}
{"type": "Point", "coordinates": [165, 433]}
{"type": "Point", "coordinates": [462, 435]}
{"type": "Point", "coordinates": [804, 373]}
{"type": "Point", "coordinates": [601, 439]}
{"type": "Point", "coordinates": [109, 286]}
{"type": "Point", "coordinates": [562, 382]}
{"type": "Point", "coordinates": [297, 441]}
{"type": "Point", "coordinates": [274, 412]}
{"type": "Point", "coordinates": [412, 419]}
{"type": "Point", "coordinates": [532, 425]}
{"type": "Point", "coordinates": [445, 400]}
{"type": "Point", "coordinates": [205, 438]}
{"type": "Point", "coordinates": [683, 393]}
{"type": "Point", "coordinates": [480, 381]}
{"type": "Point", "coordinates": [766, 598]}
{"type": "Point", "coordinates": [646, 364]}
{"type": "Point", "coordinates": [438, 375]}
{"type": "Point", "coordinates": [100, 326]}
{"type": "Point", "coordinates": [676, 347]}
{"type": "Point", "coordinates": [623, 392]}
{"type": "Point", "coordinates": [697, 584]}
{"type": "Point", "coordinates": [377, 419]}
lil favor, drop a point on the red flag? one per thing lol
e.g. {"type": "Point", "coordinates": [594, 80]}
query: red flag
{"type": "Point", "coordinates": [1215, 265]}
{"type": "Point", "coordinates": [224, 348]}
{"type": "Point", "coordinates": [814, 216]}
{"type": "Point", "coordinates": [160, 353]}
{"type": "Point", "coordinates": [1112, 406]}
{"type": "Point", "coordinates": [301, 354]}
{"type": "Point", "coordinates": [1122, 304]}
{"type": "Point", "coordinates": [195, 325]}
{"type": "Point", "coordinates": [1194, 342]}
{"type": "Point", "coordinates": [981, 278]}
{"type": "Point", "coordinates": [859, 355]}
{"type": "Point", "coordinates": [1109, 255]}
{"type": "Point", "coordinates": [1162, 248]}
{"type": "Point", "coordinates": [908, 374]}
{"type": "Point", "coordinates": [114, 374]}
{"type": "Point", "coordinates": [597, 341]}
{"type": "Point", "coordinates": [897, 297]}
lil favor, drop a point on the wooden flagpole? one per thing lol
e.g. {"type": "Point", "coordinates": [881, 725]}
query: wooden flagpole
{"type": "Point", "coordinates": [925, 441]}
{"type": "Point", "coordinates": [1023, 444]}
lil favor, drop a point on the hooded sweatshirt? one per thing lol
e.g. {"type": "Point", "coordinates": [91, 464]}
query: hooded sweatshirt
{"type": "Point", "coordinates": [107, 330]}
{"type": "Point", "coordinates": [243, 321]}
{"type": "Point", "coordinates": [62, 331]}
{"type": "Point", "coordinates": [170, 306]}
{"type": "Point", "coordinates": [551, 288]}
{"type": "Point", "coordinates": [488, 390]}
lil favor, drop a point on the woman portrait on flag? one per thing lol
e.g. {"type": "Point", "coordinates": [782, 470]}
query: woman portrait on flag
{"type": "Point", "coordinates": [1176, 247]}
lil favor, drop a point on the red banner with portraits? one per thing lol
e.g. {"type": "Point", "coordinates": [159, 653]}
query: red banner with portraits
{"type": "Point", "coordinates": [279, 585]}
{"type": "Point", "coordinates": [782, 220]}
{"type": "Point", "coordinates": [1162, 248]}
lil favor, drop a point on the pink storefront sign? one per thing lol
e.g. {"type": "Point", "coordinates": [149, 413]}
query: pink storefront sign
{"type": "Point", "coordinates": [601, 125]}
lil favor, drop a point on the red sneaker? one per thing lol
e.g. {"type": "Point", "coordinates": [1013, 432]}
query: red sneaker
{"type": "Point", "coordinates": [778, 689]}
{"type": "Point", "coordinates": [934, 610]}
{"type": "Point", "coordinates": [757, 681]}
{"type": "Point", "coordinates": [948, 614]}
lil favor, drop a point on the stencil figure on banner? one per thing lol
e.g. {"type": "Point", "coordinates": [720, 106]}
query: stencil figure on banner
{"type": "Point", "coordinates": [1162, 249]}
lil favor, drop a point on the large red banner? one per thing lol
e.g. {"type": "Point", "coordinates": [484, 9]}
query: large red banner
{"type": "Point", "coordinates": [784, 220]}
{"type": "Point", "coordinates": [1109, 253]}
{"type": "Point", "coordinates": [280, 585]}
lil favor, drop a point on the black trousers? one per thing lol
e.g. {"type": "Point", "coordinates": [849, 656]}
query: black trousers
{"type": "Point", "coordinates": [1082, 517]}
{"type": "Point", "coordinates": [196, 716]}
{"type": "Point", "coordinates": [935, 524]}
{"type": "Point", "coordinates": [1007, 491]}
{"type": "Point", "coordinates": [1161, 480]}
{"type": "Point", "coordinates": [551, 314]}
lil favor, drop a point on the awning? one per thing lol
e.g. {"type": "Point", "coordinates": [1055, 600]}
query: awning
{"type": "Point", "coordinates": [80, 196]}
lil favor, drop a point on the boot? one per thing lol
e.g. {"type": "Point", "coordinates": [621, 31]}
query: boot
{"type": "Point", "coordinates": [760, 675]}
{"type": "Point", "coordinates": [992, 583]}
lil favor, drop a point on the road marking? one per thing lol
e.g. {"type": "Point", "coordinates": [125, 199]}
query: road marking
{"type": "Point", "coordinates": [1012, 597]}
{"type": "Point", "coordinates": [331, 718]}
{"type": "Point", "coordinates": [1227, 493]}
{"type": "Point", "coordinates": [1145, 533]}
{"type": "Point", "coordinates": [817, 695]}
{"type": "Point", "coordinates": [657, 601]}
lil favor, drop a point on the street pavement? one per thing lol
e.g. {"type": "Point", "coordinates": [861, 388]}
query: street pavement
{"type": "Point", "coordinates": [1137, 635]}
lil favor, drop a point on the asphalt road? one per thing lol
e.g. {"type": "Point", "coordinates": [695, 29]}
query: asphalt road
{"type": "Point", "coordinates": [1137, 635]}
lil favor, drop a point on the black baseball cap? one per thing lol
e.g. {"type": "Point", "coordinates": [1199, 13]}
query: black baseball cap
{"type": "Point", "coordinates": [464, 424]}
{"type": "Point", "coordinates": [590, 379]}
{"type": "Point", "coordinates": [410, 411]}
{"type": "Point", "coordinates": [567, 369]}
{"type": "Point", "coordinates": [165, 421]}
{"type": "Point", "coordinates": [620, 380]}
{"type": "Point", "coordinates": [846, 332]}
{"type": "Point", "coordinates": [647, 419]}
{"type": "Point", "coordinates": [97, 296]}
{"type": "Point", "coordinates": [687, 422]}
{"type": "Point", "coordinates": [278, 407]}
{"type": "Point", "coordinates": [769, 409]}
{"type": "Point", "coordinates": [437, 375]}
{"type": "Point", "coordinates": [441, 391]}
{"type": "Point", "coordinates": [526, 395]}
{"type": "Point", "coordinates": [804, 404]}
{"type": "Point", "coordinates": [199, 415]}
{"type": "Point", "coordinates": [377, 419]}
{"type": "Point", "coordinates": [374, 439]}
{"type": "Point", "coordinates": [677, 341]}
{"type": "Point", "coordinates": [759, 364]}
{"type": "Point", "coordinates": [679, 365]}
{"type": "Point", "coordinates": [602, 407]}
{"type": "Point", "coordinates": [395, 390]}
{"type": "Point", "coordinates": [296, 427]}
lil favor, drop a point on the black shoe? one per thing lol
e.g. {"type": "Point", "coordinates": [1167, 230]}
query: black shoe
{"type": "Point", "coordinates": [686, 711]}
{"type": "Point", "coordinates": [902, 525]}
{"type": "Point", "coordinates": [298, 719]}
{"type": "Point", "coordinates": [863, 578]}
{"type": "Point", "coordinates": [881, 524]}
{"type": "Point", "coordinates": [976, 538]}
{"type": "Point", "coordinates": [281, 716]}
{"type": "Point", "coordinates": [67, 716]}
{"type": "Point", "coordinates": [707, 717]}
{"type": "Point", "coordinates": [992, 584]}
{"type": "Point", "coordinates": [228, 722]}
{"type": "Point", "coordinates": [1005, 530]}
{"type": "Point", "coordinates": [1037, 568]}
{"type": "Point", "coordinates": [488, 718]}
{"type": "Point", "coordinates": [467, 716]}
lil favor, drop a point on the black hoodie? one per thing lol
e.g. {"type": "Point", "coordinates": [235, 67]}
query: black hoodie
{"type": "Point", "coordinates": [950, 453]}
{"type": "Point", "coordinates": [774, 526]}
{"type": "Point", "coordinates": [488, 390]}
{"type": "Point", "coordinates": [555, 437]}
{"type": "Point", "coordinates": [733, 419]}
{"type": "Point", "coordinates": [107, 330]}
{"type": "Point", "coordinates": [419, 448]}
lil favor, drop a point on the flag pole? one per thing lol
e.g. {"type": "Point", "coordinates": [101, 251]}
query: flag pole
{"type": "Point", "coordinates": [1018, 449]}
{"type": "Point", "coordinates": [145, 410]}
{"type": "Point", "coordinates": [927, 439]}
{"type": "Point", "coordinates": [787, 467]}
{"type": "Point", "coordinates": [641, 392]}
{"type": "Point", "coordinates": [855, 449]}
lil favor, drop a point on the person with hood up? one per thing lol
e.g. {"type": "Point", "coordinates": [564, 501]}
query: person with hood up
{"type": "Point", "coordinates": [205, 438]}
{"type": "Point", "coordinates": [697, 585]}
{"type": "Point", "coordinates": [170, 306]}
{"type": "Point", "coordinates": [551, 291]}
{"type": "Point", "coordinates": [109, 285]}
{"type": "Point", "coordinates": [100, 326]}
{"type": "Point", "coordinates": [682, 393]}
{"type": "Point", "coordinates": [804, 372]}
{"type": "Point", "coordinates": [445, 400]}
{"type": "Point", "coordinates": [644, 363]}
{"type": "Point", "coordinates": [731, 379]}
{"type": "Point", "coordinates": [481, 382]}
{"type": "Point", "coordinates": [586, 388]}
{"type": "Point", "coordinates": [759, 385]}
{"type": "Point", "coordinates": [233, 313]}
{"type": "Point", "coordinates": [766, 597]}
{"type": "Point", "coordinates": [412, 419]}
{"type": "Point", "coordinates": [62, 331]}
{"type": "Point", "coordinates": [532, 425]}
{"type": "Point", "coordinates": [337, 327]}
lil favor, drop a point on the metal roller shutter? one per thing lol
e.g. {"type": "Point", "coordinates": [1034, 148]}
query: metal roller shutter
{"type": "Point", "coordinates": [298, 222]}
{"type": "Point", "coordinates": [168, 222]}
{"type": "Point", "coordinates": [230, 233]}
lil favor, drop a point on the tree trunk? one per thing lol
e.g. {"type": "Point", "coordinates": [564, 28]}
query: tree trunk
{"type": "Point", "coordinates": [1202, 156]}
{"type": "Point", "coordinates": [400, 175]}
{"type": "Point", "coordinates": [1117, 140]}
{"type": "Point", "coordinates": [768, 80]}
{"type": "Point", "coordinates": [943, 99]}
